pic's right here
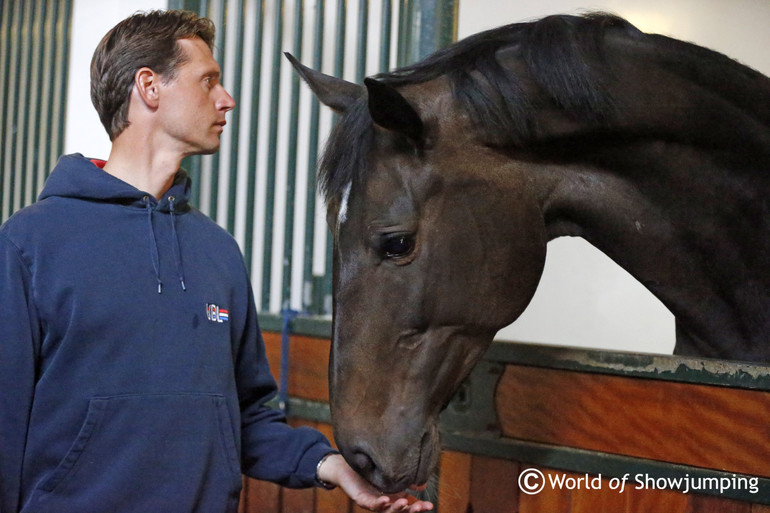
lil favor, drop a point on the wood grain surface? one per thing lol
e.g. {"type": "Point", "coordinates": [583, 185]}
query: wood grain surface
{"type": "Point", "coordinates": [704, 426]}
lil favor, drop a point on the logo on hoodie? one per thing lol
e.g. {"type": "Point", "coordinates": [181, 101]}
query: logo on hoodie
{"type": "Point", "coordinates": [215, 313]}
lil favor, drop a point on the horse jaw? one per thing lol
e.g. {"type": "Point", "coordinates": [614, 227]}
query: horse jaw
{"type": "Point", "coordinates": [392, 439]}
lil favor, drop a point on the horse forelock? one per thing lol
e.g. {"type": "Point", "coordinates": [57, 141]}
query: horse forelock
{"type": "Point", "coordinates": [344, 157]}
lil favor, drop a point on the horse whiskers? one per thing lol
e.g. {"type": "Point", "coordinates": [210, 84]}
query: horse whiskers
{"type": "Point", "coordinates": [430, 492]}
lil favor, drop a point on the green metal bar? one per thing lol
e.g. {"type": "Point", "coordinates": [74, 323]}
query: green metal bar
{"type": "Point", "coordinates": [312, 326]}
{"type": "Point", "coordinates": [47, 142]}
{"type": "Point", "coordinates": [193, 164]}
{"type": "Point", "coordinates": [403, 32]}
{"type": "Point", "coordinates": [267, 265]}
{"type": "Point", "coordinates": [254, 133]}
{"type": "Point", "coordinates": [363, 36]}
{"type": "Point", "coordinates": [52, 92]}
{"type": "Point", "coordinates": [339, 66]}
{"type": "Point", "coordinates": [339, 40]}
{"type": "Point", "coordinates": [291, 178]}
{"type": "Point", "coordinates": [682, 369]}
{"type": "Point", "coordinates": [9, 150]}
{"type": "Point", "coordinates": [386, 16]}
{"type": "Point", "coordinates": [309, 302]}
{"type": "Point", "coordinates": [5, 71]}
{"type": "Point", "coordinates": [190, 5]}
{"type": "Point", "coordinates": [40, 132]}
{"type": "Point", "coordinates": [22, 119]}
{"type": "Point", "coordinates": [235, 92]}
{"type": "Point", "coordinates": [219, 51]}
{"type": "Point", "coordinates": [430, 25]}
{"type": "Point", "coordinates": [33, 98]}
{"type": "Point", "coordinates": [63, 28]}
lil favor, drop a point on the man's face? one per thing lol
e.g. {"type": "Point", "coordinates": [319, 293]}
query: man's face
{"type": "Point", "coordinates": [193, 104]}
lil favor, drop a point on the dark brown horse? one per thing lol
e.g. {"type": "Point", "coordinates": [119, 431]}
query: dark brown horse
{"type": "Point", "coordinates": [445, 180]}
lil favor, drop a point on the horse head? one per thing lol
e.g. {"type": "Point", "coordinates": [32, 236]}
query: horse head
{"type": "Point", "coordinates": [423, 248]}
{"type": "Point", "coordinates": [444, 181]}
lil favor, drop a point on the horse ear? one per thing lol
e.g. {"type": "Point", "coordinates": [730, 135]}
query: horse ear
{"type": "Point", "coordinates": [333, 92]}
{"type": "Point", "coordinates": [390, 110]}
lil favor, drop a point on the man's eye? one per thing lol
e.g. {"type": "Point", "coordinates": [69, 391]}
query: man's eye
{"type": "Point", "coordinates": [397, 245]}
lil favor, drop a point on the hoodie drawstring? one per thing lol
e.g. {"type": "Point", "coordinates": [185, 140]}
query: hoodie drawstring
{"type": "Point", "coordinates": [177, 250]}
{"type": "Point", "coordinates": [154, 253]}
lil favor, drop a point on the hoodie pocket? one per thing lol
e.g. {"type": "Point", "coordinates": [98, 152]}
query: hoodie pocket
{"type": "Point", "coordinates": [140, 453]}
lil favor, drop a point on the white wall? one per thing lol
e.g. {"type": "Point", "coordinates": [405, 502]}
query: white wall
{"type": "Point", "coordinates": [584, 298]}
{"type": "Point", "coordinates": [91, 19]}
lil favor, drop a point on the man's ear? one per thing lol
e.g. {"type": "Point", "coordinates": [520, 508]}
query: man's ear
{"type": "Point", "coordinates": [147, 83]}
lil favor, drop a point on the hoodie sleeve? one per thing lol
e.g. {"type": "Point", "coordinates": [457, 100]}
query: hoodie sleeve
{"type": "Point", "coordinates": [19, 339]}
{"type": "Point", "coordinates": [271, 449]}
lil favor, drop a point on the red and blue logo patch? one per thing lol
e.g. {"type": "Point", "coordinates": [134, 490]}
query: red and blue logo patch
{"type": "Point", "coordinates": [216, 313]}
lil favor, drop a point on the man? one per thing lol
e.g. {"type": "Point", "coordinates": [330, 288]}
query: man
{"type": "Point", "coordinates": [133, 375]}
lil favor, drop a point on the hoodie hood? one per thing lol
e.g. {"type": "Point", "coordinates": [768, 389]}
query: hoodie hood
{"type": "Point", "coordinates": [77, 177]}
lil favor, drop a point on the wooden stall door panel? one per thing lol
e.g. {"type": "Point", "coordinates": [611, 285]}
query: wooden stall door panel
{"type": "Point", "coordinates": [260, 497]}
{"type": "Point", "coordinates": [454, 486]}
{"type": "Point", "coordinates": [699, 425]}
{"type": "Point", "coordinates": [308, 365]}
{"type": "Point", "coordinates": [298, 501]}
{"type": "Point", "coordinates": [599, 501]}
{"type": "Point", "coordinates": [656, 501]}
{"type": "Point", "coordinates": [550, 500]}
{"type": "Point", "coordinates": [706, 504]}
{"type": "Point", "coordinates": [493, 486]}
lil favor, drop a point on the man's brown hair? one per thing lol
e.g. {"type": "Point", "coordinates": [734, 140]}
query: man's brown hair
{"type": "Point", "coordinates": [146, 39]}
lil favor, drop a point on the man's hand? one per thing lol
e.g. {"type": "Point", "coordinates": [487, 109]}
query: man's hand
{"type": "Point", "coordinates": [336, 470]}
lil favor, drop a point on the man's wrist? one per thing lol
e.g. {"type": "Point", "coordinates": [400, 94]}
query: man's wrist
{"type": "Point", "coordinates": [321, 482]}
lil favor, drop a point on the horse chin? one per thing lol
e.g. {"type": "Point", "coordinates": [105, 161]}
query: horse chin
{"type": "Point", "coordinates": [430, 450]}
{"type": "Point", "coordinates": [414, 476]}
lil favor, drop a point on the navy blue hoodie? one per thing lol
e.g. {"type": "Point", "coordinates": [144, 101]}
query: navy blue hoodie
{"type": "Point", "coordinates": [133, 374]}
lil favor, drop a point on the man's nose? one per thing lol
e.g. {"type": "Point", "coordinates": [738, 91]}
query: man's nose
{"type": "Point", "coordinates": [226, 103]}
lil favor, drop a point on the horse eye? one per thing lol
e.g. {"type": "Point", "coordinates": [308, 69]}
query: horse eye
{"type": "Point", "coordinates": [396, 245]}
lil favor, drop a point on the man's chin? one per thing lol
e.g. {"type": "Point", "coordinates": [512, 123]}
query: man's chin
{"type": "Point", "coordinates": [207, 150]}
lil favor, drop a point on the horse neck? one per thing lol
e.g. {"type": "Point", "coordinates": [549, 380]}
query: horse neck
{"type": "Point", "coordinates": [675, 189]}
{"type": "Point", "coordinates": [689, 226]}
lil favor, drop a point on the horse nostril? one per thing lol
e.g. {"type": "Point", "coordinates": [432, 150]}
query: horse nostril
{"type": "Point", "coordinates": [362, 462]}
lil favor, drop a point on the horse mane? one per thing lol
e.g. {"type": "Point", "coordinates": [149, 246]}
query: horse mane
{"type": "Point", "coordinates": [561, 53]}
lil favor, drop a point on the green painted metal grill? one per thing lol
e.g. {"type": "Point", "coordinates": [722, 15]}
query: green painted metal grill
{"type": "Point", "coordinates": [34, 37]}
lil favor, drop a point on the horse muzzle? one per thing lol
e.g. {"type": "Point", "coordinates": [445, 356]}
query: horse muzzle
{"type": "Point", "coordinates": [390, 467]}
